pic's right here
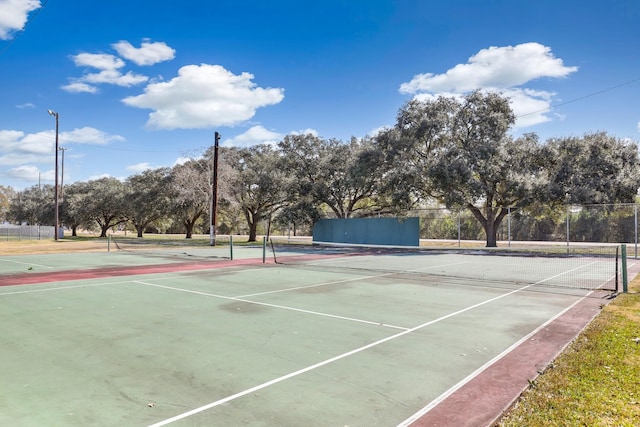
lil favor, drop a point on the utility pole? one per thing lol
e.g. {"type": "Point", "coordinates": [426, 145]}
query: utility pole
{"type": "Point", "coordinates": [214, 191]}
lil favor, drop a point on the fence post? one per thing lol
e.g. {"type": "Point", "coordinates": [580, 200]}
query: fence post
{"type": "Point", "coordinates": [625, 284]}
{"type": "Point", "coordinates": [231, 247]}
{"type": "Point", "coordinates": [568, 213]}
{"type": "Point", "coordinates": [459, 229]}
{"type": "Point", "coordinates": [509, 224]}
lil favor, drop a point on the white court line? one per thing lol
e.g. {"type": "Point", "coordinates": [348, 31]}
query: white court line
{"type": "Point", "coordinates": [25, 263]}
{"type": "Point", "coordinates": [59, 288]}
{"type": "Point", "coordinates": [317, 285]}
{"type": "Point", "coordinates": [347, 280]}
{"type": "Point", "coordinates": [483, 368]}
{"type": "Point", "coordinates": [177, 275]}
{"type": "Point", "coordinates": [327, 361]}
{"type": "Point", "coordinates": [477, 372]}
{"type": "Point", "coordinates": [56, 288]}
{"type": "Point", "coordinates": [317, 313]}
{"type": "Point", "coordinates": [567, 272]}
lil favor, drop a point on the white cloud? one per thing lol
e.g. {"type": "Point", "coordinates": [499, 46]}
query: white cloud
{"type": "Point", "coordinates": [501, 69]}
{"type": "Point", "coordinates": [18, 148]}
{"type": "Point", "coordinates": [101, 61]}
{"type": "Point", "coordinates": [26, 105]}
{"type": "Point", "coordinates": [305, 132]}
{"type": "Point", "coordinates": [88, 135]}
{"type": "Point", "coordinates": [254, 136]}
{"type": "Point", "coordinates": [203, 96]}
{"type": "Point", "coordinates": [376, 131]}
{"type": "Point", "coordinates": [13, 15]}
{"type": "Point", "coordinates": [109, 73]}
{"type": "Point", "coordinates": [529, 106]}
{"type": "Point", "coordinates": [139, 167]}
{"type": "Point", "coordinates": [27, 152]}
{"type": "Point", "coordinates": [147, 54]}
{"type": "Point", "coordinates": [23, 150]}
{"type": "Point", "coordinates": [495, 67]}
{"type": "Point", "coordinates": [14, 144]}
{"type": "Point", "coordinates": [115, 77]}
{"type": "Point", "coordinates": [100, 176]}
{"type": "Point", "coordinates": [181, 161]}
{"type": "Point", "coordinates": [26, 172]}
{"type": "Point", "coordinates": [79, 87]}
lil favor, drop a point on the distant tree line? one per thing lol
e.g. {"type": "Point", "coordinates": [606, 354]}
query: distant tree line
{"type": "Point", "coordinates": [451, 152]}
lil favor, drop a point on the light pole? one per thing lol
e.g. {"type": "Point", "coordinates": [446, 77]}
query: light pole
{"type": "Point", "coordinates": [61, 195]}
{"type": "Point", "coordinates": [55, 191]}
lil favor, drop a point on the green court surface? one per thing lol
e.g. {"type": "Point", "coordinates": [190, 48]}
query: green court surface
{"type": "Point", "coordinates": [64, 261]}
{"type": "Point", "coordinates": [255, 344]}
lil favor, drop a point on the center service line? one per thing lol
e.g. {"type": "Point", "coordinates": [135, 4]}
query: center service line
{"type": "Point", "coordinates": [328, 361]}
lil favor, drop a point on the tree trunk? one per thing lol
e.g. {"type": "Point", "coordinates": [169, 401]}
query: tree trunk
{"type": "Point", "coordinates": [252, 222]}
{"type": "Point", "coordinates": [498, 220]}
{"type": "Point", "coordinates": [139, 229]}
{"type": "Point", "coordinates": [188, 226]}
{"type": "Point", "coordinates": [253, 231]}
{"type": "Point", "coordinates": [490, 230]}
{"type": "Point", "coordinates": [491, 223]}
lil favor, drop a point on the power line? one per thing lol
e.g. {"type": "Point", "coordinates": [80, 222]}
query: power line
{"type": "Point", "coordinates": [18, 33]}
{"type": "Point", "coordinates": [580, 98]}
{"type": "Point", "coordinates": [105, 146]}
{"type": "Point", "coordinates": [130, 150]}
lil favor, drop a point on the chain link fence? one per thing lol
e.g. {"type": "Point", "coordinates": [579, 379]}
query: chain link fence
{"type": "Point", "coordinates": [572, 224]}
{"type": "Point", "coordinates": [26, 232]}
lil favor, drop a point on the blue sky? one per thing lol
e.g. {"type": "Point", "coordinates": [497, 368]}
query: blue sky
{"type": "Point", "coordinates": [143, 84]}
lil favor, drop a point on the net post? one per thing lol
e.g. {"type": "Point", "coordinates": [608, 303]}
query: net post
{"type": "Point", "coordinates": [623, 254]}
{"type": "Point", "coordinates": [264, 249]}
{"type": "Point", "coordinates": [231, 247]}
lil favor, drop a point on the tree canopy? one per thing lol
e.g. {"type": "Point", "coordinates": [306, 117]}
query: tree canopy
{"type": "Point", "coordinates": [459, 152]}
{"type": "Point", "coordinates": [595, 168]}
{"type": "Point", "coordinates": [258, 184]}
{"type": "Point", "coordinates": [456, 152]}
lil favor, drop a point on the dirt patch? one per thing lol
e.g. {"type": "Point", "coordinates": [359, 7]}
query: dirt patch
{"type": "Point", "coordinates": [28, 247]}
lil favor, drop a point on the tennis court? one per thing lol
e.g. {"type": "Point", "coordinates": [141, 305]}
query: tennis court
{"type": "Point", "coordinates": [370, 338]}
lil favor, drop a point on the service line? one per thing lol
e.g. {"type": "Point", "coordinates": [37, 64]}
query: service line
{"type": "Point", "coordinates": [328, 361]}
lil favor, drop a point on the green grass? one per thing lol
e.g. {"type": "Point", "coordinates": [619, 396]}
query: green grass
{"type": "Point", "coordinates": [596, 381]}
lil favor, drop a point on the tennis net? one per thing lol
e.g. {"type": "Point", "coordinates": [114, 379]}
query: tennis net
{"type": "Point", "coordinates": [169, 247]}
{"type": "Point", "coordinates": [579, 267]}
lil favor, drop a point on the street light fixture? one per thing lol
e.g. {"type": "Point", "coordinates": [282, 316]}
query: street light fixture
{"type": "Point", "coordinates": [55, 191]}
